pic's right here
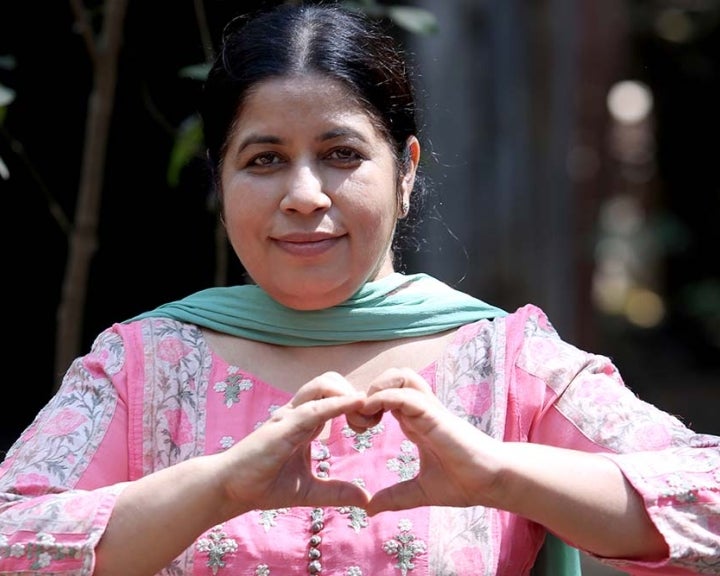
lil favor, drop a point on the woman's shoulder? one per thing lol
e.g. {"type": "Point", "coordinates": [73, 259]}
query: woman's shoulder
{"type": "Point", "coordinates": [156, 329]}
{"type": "Point", "coordinates": [167, 340]}
{"type": "Point", "coordinates": [527, 320]}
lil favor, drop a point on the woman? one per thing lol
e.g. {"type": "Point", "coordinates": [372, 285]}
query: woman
{"type": "Point", "coordinates": [336, 416]}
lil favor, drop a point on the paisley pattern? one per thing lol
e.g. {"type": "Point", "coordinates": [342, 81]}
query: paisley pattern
{"type": "Point", "coordinates": [151, 393]}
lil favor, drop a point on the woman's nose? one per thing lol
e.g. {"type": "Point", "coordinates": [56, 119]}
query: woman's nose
{"type": "Point", "coordinates": [305, 193]}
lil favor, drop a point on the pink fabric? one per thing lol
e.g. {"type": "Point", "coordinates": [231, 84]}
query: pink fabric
{"type": "Point", "coordinates": [151, 393]}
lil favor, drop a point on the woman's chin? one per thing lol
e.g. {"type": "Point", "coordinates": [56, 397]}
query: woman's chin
{"type": "Point", "coordinates": [313, 295]}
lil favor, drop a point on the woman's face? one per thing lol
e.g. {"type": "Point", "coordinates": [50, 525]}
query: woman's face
{"type": "Point", "coordinates": [310, 192]}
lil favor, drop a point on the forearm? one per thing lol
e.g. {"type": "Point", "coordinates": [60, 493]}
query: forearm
{"type": "Point", "coordinates": [582, 497]}
{"type": "Point", "coordinates": [159, 516]}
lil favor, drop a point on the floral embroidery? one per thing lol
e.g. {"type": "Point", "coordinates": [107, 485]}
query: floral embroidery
{"type": "Point", "coordinates": [232, 386]}
{"type": "Point", "coordinates": [363, 441]}
{"type": "Point", "coordinates": [267, 517]}
{"type": "Point", "coordinates": [226, 442]}
{"type": "Point", "coordinates": [41, 553]}
{"type": "Point", "coordinates": [680, 490]}
{"type": "Point", "coordinates": [262, 570]}
{"type": "Point", "coordinates": [353, 571]}
{"type": "Point", "coordinates": [171, 391]}
{"type": "Point", "coordinates": [407, 464]}
{"type": "Point", "coordinates": [357, 516]}
{"type": "Point", "coordinates": [217, 545]}
{"type": "Point", "coordinates": [405, 547]}
{"type": "Point", "coordinates": [179, 427]}
{"type": "Point", "coordinates": [47, 452]}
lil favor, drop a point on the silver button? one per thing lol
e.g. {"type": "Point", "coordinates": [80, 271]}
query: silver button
{"type": "Point", "coordinates": [315, 540]}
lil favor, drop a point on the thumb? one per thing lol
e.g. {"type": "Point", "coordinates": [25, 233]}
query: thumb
{"type": "Point", "coordinates": [400, 496]}
{"type": "Point", "coordinates": [333, 492]}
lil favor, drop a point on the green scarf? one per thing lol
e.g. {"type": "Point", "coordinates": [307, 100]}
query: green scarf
{"type": "Point", "coordinates": [396, 306]}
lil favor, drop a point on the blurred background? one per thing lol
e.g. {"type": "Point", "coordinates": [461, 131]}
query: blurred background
{"type": "Point", "coordinates": [572, 148]}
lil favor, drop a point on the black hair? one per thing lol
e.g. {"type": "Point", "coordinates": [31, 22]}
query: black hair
{"type": "Point", "coordinates": [343, 44]}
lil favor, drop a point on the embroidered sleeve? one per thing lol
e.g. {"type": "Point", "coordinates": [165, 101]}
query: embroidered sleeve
{"type": "Point", "coordinates": [675, 470]}
{"type": "Point", "coordinates": [52, 509]}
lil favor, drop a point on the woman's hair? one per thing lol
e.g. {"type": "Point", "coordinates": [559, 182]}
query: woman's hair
{"type": "Point", "coordinates": [340, 44]}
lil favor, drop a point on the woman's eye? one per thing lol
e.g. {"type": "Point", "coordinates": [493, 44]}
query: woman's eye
{"type": "Point", "coordinates": [265, 159]}
{"type": "Point", "coordinates": [345, 155]}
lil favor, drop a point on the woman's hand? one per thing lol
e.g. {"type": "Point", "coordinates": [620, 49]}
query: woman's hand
{"type": "Point", "coordinates": [459, 465]}
{"type": "Point", "coordinates": [271, 467]}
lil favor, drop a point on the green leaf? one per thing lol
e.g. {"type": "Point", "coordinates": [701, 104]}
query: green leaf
{"type": "Point", "coordinates": [195, 71]}
{"type": "Point", "coordinates": [4, 172]}
{"type": "Point", "coordinates": [416, 20]}
{"type": "Point", "coordinates": [369, 7]}
{"type": "Point", "coordinates": [187, 145]}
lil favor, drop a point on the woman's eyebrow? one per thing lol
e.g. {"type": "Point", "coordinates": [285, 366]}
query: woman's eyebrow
{"type": "Point", "coordinates": [251, 139]}
{"type": "Point", "coordinates": [255, 138]}
{"type": "Point", "coordinates": [341, 132]}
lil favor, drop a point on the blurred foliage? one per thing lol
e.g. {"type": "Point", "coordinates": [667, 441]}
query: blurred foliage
{"type": "Point", "coordinates": [701, 302]}
{"type": "Point", "coordinates": [7, 96]}
{"type": "Point", "coordinates": [411, 19]}
{"type": "Point", "coordinates": [188, 144]}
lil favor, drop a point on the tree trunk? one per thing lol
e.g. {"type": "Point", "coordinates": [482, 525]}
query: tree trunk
{"type": "Point", "coordinates": [83, 237]}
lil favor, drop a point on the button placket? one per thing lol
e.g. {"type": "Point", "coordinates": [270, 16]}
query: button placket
{"type": "Point", "coordinates": [320, 454]}
{"type": "Point", "coordinates": [317, 523]}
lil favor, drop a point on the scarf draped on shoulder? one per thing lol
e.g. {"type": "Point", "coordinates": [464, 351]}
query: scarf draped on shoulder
{"type": "Point", "coordinates": [395, 306]}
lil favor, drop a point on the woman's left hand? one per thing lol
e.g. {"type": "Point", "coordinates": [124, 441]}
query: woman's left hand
{"type": "Point", "coordinates": [459, 464]}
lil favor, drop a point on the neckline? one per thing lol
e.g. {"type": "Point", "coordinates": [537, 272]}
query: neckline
{"type": "Point", "coordinates": [428, 371]}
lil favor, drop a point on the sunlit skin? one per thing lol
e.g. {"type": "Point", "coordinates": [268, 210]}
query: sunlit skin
{"type": "Point", "coordinates": [311, 192]}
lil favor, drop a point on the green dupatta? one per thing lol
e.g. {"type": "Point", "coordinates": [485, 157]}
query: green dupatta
{"type": "Point", "coordinates": [395, 306]}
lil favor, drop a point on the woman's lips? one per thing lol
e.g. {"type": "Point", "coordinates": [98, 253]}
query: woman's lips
{"type": "Point", "coordinates": [307, 245]}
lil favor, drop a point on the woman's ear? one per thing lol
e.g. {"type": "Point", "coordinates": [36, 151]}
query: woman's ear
{"type": "Point", "coordinates": [410, 166]}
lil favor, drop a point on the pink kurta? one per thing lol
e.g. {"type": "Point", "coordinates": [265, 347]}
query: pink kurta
{"type": "Point", "coordinates": [151, 393]}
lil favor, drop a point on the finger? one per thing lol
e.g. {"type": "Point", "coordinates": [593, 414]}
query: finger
{"type": "Point", "coordinates": [334, 492]}
{"type": "Point", "coordinates": [398, 378]}
{"type": "Point", "coordinates": [297, 424]}
{"type": "Point", "coordinates": [317, 412]}
{"type": "Point", "coordinates": [371, 414]}
{"type": "Point", "coordinates": [323, 386]}
{"type": "Point", "coordinates": [401, 496]}
{"type": "Point", "coordinates": [360, 422]}
{"type": "Point", "coordinates": [408, 401]}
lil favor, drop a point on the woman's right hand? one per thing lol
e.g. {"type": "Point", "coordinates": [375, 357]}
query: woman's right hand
{"type": "Point", "coordinates": [271, 467]}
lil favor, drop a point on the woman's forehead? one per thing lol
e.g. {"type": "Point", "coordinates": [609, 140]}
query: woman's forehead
{"type": "Point", "coordinates": [290, 101]}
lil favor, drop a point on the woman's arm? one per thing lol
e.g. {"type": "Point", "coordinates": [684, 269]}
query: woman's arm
{"type": "Point", "coordinates": [60, 479]}
{"type": "Point", "coordinates": [158, 516]}
{"type": "Point", "coordinates": [584, 498]}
